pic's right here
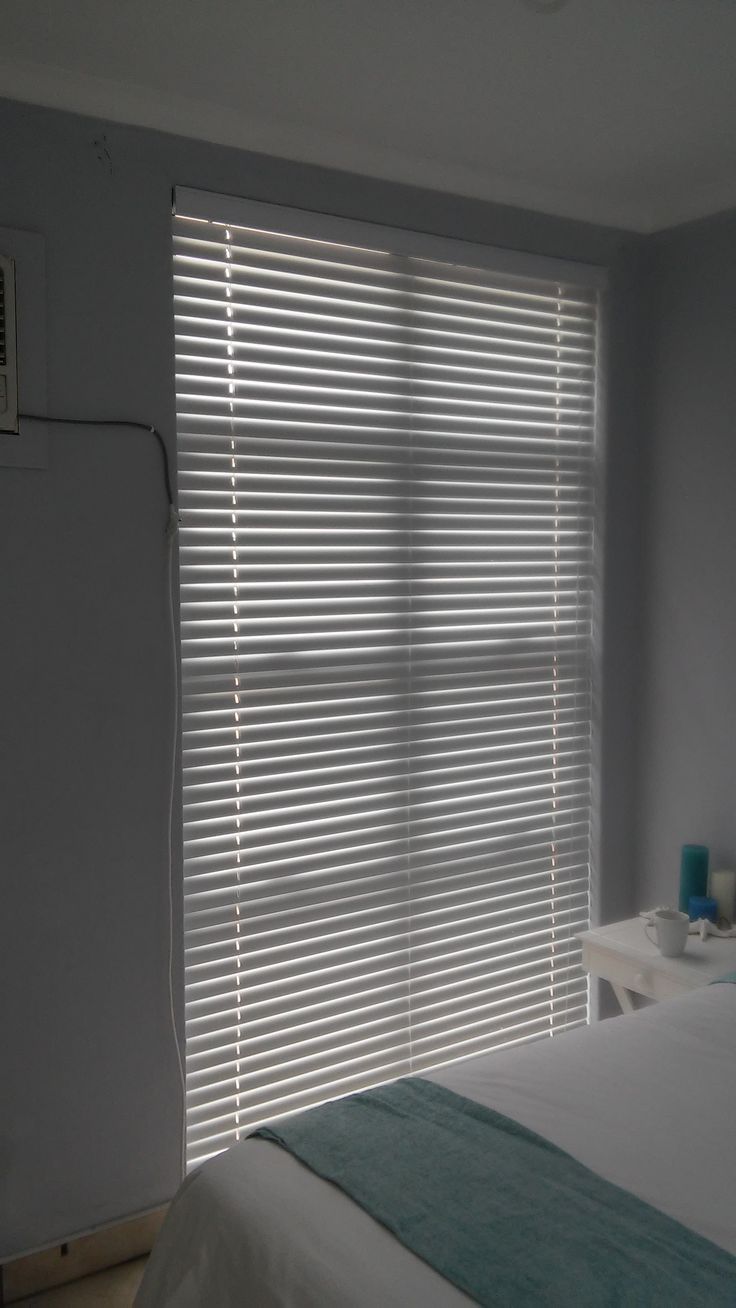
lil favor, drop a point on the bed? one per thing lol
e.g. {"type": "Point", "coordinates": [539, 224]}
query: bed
{"type": "Point", "coordinates": [647, 1102]}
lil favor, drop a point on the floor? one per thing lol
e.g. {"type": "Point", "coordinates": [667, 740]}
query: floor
{"type": "Point", "coordinates": [115, 1288]}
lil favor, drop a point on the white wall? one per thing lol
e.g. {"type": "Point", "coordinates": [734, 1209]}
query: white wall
{"type": "Point", "coordinates": [688, 728]}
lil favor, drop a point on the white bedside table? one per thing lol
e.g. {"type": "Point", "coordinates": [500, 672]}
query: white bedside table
{"type": "Point", "coordinates": [623, 955]}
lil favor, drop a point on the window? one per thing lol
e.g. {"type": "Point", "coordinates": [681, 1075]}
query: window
{"type": "Point", "coordinates": [386, 478]}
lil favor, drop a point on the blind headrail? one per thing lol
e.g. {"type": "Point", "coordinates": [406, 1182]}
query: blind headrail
{"type": "Point", "coordinates": [230, 209]}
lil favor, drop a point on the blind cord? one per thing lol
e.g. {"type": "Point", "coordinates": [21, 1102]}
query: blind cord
{"type": "Point", "coordinates": [115, 422]}
{"type": "Point", "coordinates": [172, 527]}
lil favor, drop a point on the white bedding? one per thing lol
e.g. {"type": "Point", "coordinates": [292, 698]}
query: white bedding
{"type": "Point", "coordinates": [648, 1102]}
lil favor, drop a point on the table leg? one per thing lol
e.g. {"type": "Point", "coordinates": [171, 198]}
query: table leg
{"type": "Point", "coordinates": [624, 997]}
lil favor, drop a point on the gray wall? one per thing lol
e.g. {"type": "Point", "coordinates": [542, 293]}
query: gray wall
{"type": "Point", "coordinates": [688, 727]}
{"type": "Point", "coordinates": [90, 1127]}
{"type": "Point", "coordinates": [629, 327]}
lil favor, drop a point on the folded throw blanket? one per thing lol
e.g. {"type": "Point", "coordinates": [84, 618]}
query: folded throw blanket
{"type": "Point", "coordinates": [500, 1212]}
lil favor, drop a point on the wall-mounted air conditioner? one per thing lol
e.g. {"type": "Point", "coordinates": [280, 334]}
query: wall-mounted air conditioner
{"type": "Point", "coordinates": [8, 342]}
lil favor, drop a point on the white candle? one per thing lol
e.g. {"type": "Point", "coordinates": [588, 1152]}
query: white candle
{"type": "Point", "coordinates": [722, 888]}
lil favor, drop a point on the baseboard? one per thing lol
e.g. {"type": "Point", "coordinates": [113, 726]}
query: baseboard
{"type": "Point", "coordinates": [80, 1257]}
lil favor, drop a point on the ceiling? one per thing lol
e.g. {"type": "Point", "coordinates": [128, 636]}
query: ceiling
{"type": "Point", "coordinates": [613, 111]}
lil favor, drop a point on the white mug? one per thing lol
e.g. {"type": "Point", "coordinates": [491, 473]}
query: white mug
{"type": "Point", "coordinates": [671, 928]}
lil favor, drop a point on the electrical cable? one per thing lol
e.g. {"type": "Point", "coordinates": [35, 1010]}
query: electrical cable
{"type": "Point", "coordinates": [172, 800]}
{"type": "Point", "coordinates": [113, 422]}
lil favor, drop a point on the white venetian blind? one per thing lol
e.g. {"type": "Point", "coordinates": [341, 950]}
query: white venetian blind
{"type": "Point", "coordinates": [386, 470]}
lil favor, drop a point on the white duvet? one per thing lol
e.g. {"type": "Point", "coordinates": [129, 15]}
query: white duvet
{"type": "Point", "coordinates": [647, 1101]}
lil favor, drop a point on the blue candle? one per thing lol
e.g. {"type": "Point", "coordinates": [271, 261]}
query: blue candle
{"type": "Point", "coordinates": [700, 906]}
{"type": "Point", "coordinates": [693, 874]}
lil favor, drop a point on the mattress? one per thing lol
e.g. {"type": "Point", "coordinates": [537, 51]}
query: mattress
{"type": "Point", "coordinates": [646, 1101]}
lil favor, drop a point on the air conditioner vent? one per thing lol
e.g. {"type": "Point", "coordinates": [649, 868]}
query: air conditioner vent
{"type": "Point", "coordinates": [8, 364]}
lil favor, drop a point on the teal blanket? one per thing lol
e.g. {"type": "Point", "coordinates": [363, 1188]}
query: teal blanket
{"type": "Point", "coordinates": [502, 1213]}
